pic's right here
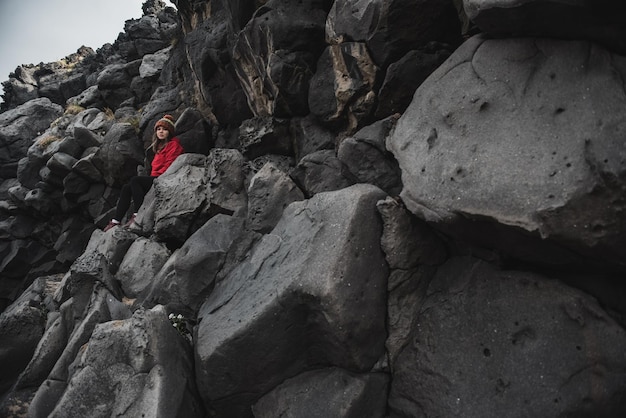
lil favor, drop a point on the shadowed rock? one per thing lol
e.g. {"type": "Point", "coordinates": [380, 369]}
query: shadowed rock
{"type": "Point", "coordinates": [326, 393]}
{"type": "Point", "coordinates": [188, 276]}
{"type": "Point", "coordinates": [600, 21]}
{"type": "Point", "coordinates": [485, 142]}
{"type": "Point", "coordinates": [149, 372]}
{"type": "Point", "coordinates": [391, 28]}
{"type": "Point", "coordinates": [311, 292]}
{"type": "Point", "coordinates": [485, 343]}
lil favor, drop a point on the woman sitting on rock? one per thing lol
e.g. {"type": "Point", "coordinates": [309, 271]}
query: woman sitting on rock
{"type": "Point", "coordinates": [166, 148]}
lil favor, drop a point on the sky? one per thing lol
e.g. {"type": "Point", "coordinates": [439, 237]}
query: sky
{"type": "Point", "coordinates": [34, 31]}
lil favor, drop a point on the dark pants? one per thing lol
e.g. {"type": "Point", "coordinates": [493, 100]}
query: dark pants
{"type": "Point", "coordinates": [136, 188]}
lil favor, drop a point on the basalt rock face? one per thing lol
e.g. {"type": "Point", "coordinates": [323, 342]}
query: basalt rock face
{"type": "Point", "coordinates": [375, 215]}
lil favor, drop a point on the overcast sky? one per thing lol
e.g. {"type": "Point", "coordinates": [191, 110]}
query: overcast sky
{"type": "Point", "coordinates": [34, 31]}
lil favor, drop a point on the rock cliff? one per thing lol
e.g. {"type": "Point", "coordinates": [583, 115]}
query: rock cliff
{"type": "Point", "coordinates": [385, 208]}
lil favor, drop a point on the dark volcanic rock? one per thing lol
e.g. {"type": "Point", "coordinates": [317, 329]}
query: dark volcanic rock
{"type": "Point", "coordinates": [600, 21]}
{"type": "Point", "coordinates": [343, 88]}
{"type": "Point", "coordinates": [275, 56]}
{"type": "Point", "coordinates": [326, 393]}
{"type": "Point", "coordinates": [391, 28]}
{"type": "Point", "coordinates": [483, 142]}
{"type": "Point", "coordinates": [18, 128]}
{"type": "Point", "coordinates": [324, 304]}
{"type": "Point", "coordinates": [487, 343]}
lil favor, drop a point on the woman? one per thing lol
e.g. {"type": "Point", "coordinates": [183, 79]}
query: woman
{"type": "Point", "coordinates": [166, 148]}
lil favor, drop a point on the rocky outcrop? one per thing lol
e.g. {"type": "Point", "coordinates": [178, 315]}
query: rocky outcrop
{"type": "Point", "coordinates": [376, 214]}
{"type": "Point", "coordinates": [503, 150]}
{"type": "Point", "coordinates": [601, 22]}
{"type": "Point", "coordinates": [18, 128]}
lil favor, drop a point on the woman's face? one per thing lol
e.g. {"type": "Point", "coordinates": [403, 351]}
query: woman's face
{"type": "Point", "coordinates": [162, 133]}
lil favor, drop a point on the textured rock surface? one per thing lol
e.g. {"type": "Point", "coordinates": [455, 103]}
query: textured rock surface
{"type": "Point", "coordinates": [149, 371]}
{"type": "Point", "coordinates": [19, 126]}
{"type": "Point", "coordinates": [188, 276]}
{"type": "Point", "coordinates": [603, 21]}
{"type": "Point", "coordinates": [325, 393]}
{"type": "Point", "coordinates": [322, 305]}
{"type": "Point", "coordinates": [275, 56]}
{"type": "Point", "coordinates": [484, 341]}
{"type": "Point", "coordinates": [391, 28]}
{"type": "Point", "coordinates": [277, 251]}
{"type": "Point", "coordinates": [485, 141]}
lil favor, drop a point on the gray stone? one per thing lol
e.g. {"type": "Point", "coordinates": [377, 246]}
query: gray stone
{"type": "Point", "coordinates": [86, 168]}
{"type": "Point", "coordinates": [19, 126]}
{"type": "Point", "coordinates": [265, 135]}
{"type": "Point", "coordinates": [21, 327]}
{"type": "Point", "coordinates": [120, 154]}
{"type": "Point", "coordinates": [311, 292]}
{"type": "Point", "coordinates": [87, 98]}
{"type": "Point", "coordinates": [113, 84]}
{"type": "Point", "coordinates": [140, 265]}
{"type": "Point", "coordinates": [275, 56]}
{"type": "Point", "coordinates": [490, 343]}
{"type": "Point", "coordinates": [195, 132]}
{"type": "Point", "coordinates": [152, 64]}
{"type": "Point", "coordinates": [310, 136]}
{"type": "Point", "coordinates": [226, 179]}
{"type": "Point", "coordinates": [603, 22]}
{"type": "Point", "coordinates": [98, 263]}
{"type": "Point", "coordinates": [86, 137]}
{"type": "Point", "coordinates": [93, 120]}
{"type": "Point", "coordinates": [270, 192]}
{"type": "Point", "coordinates": [342, 91]}
{"type": "Point", "coordinates": [404, 76]}
{"type": "Point", "coordinates": [407, 241]}
{"type": "Point", "coordinates": [505, 152]}
{"type": "Point", "coordinates": [327, 393]}
{"type": "Point", "coordinates": [366, 158]}
{"type": "Point", "coordinates": [179, 211]}
{"type": "Point", "coordinates": [189, 275]}
{"type": "Point", "coordinates": [322, 171]}
{"type": "Point", "coordinates": [149, 373]}
{"type": "Point", "coordinates": [391, 28]}
{"type": "Point", "coordinates": [61, 163]}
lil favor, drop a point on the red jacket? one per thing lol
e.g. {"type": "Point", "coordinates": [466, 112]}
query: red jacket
{"type": "Point", "coordinates": [166, 156]}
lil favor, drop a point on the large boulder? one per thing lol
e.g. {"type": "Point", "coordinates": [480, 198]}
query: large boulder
{"type": "Point", "coordinates": [98, 263]}
{"type": "Point", "coordinates": [265, 135]}
{"type": "Point", "coordinates": [309, 136]}
{"type": "Point", "coordinates": [18, 128]}
{"type": "Point", "coordinates": [142, 262]}
{"type": "Point", "coordinates": [601, 21]}
{"type": "Point", "coordinates": [179, 211]}
{"type": "Point", "coordinates": [322, 171]}
{"type": "Point", "coordinates": [275, 56]}
{"type": "Point", "coordinates": [391, 28]}
{"type": "Point", "coordinates": [404, 76]}
{"type": "Point", "coordinates": [152, 64]}
{"type": "Point", "coordinates": [270, 192]}
{"type": "Point", "coordinates": [188, 277]}
{"type": "Point", "coordinates": [206, 37]}
{"type": "Point", "coordinates": [365, 156]}
{"type": "Point", "coordinates": [493, 343]}
{"type": "Point", "coordinates": [119, 155]}
{"type": "Point", "coordinates": [195, 132]}
{"type": "Point", "coordinates": [69, 328]}
{"type": "Point", "coordinates": [311, 292]}
{"type": "Point", "coordinates": [114, 84]}
{"type": "Point", "coordinates": [484, 148]}
{"type": "Point", "coordinates": [343, 90]}
{"type": "Point", "coordinates": [148, 373]}
{"type": "Point", "coordinates": [22, 325]}
{"type": "Point", "coordinates": [327, 393]}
